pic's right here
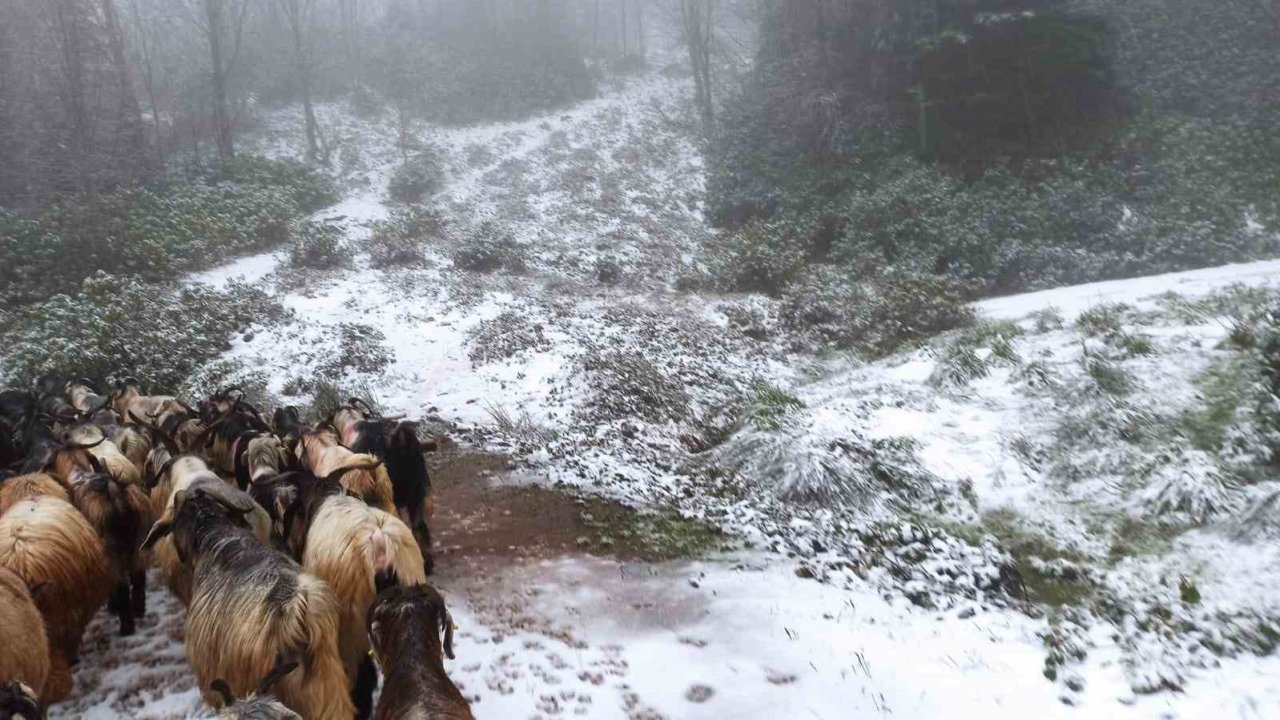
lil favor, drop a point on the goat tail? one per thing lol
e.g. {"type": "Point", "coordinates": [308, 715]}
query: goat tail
{"type": "Point", "coordinates": [318, 689]}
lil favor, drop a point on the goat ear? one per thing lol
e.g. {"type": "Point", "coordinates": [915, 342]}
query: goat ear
{"type": "Point", "coordinates": [220, 686]}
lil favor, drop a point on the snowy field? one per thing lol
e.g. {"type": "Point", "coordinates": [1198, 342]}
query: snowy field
{"type": "Point", "coordinates": [855, 596]}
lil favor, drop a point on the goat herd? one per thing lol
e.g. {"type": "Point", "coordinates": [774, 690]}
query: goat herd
{"type": "Point", "coordinates": [300, 552]}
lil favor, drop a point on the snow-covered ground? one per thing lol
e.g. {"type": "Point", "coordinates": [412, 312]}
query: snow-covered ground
{"type": "Point", "coordinates": [884, 507]}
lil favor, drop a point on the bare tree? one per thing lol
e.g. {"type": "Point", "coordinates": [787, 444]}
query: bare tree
{"type": "Point", "coordinates": [300, 17]}
{"type": "Point", "coordinates": [696, 24]}
{"type": "Point", "coordinates": [222, 24]}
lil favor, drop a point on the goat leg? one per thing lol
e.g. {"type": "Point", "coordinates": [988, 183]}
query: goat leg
{"type": "Point", "coordinates": [119, 604]}
{"type": "Point", "coordinates": [362, 691]}
{"type": "Point", "coordinates": [138, 593]}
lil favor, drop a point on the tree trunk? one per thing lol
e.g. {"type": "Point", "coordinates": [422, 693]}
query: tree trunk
{"type": "Point", "coordinates": [130, 111]}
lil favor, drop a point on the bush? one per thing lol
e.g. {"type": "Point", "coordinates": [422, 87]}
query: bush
{"type": "Point", "coordinates": [113, 327]}
{"type": "Point", "coordinates": [626, 385]}
{"type": "Point", "coordinates": [360, 348]}
{"type": "Point", "coordinates": [318, 245]}
{"type": "Point", "coordinates": [876, 314]}
{"type": "Point", "coordinates": [420, 176]}
{"type": "Point", "coordinates": [401, 240]}
{"type": "Point", "coordinates": [505, 336]}
{"type": "Point", "coordinates": [153, 233]}
{"type": "Point", "coordinates": [309, 188]}
{"type": "Point", "coordinates": [489, 249]}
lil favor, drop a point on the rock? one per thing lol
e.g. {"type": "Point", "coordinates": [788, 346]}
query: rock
{"type": "Point", "coordinates": [966, 613]}
{"type": "Point", "coordinates": [699, 693]}
{"type": "Point", "coordinates": [806, 572]}
{"type": "Point", "coordinates": [1074, 682]}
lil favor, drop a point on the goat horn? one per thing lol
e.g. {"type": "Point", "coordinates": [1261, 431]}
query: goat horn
{"type": "Point", "coordinates": [81, 446]}
{"type": "Point", "coordinates": [336, 475]}
{"type": "Point", "coordinates": [283, 667]}
{"type": "Point", "coordinates": [448, 635]}
{"type": "Point", "coordinates": [228, 497]}
{"type": "Point", "coordinates": [88, 384]}
{"type": "Point", "coordinates": [357, 403]}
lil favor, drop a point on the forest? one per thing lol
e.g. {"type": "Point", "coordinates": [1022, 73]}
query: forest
{"type": "Point", "coordinates": [759, 338]}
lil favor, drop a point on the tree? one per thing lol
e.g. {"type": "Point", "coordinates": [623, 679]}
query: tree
{"type": "Point", "coordinates": [300, 17]}
{"type": "Point", "coordinates": [222, 24]}
{"type": "Point", "coordinates": [698, 31]}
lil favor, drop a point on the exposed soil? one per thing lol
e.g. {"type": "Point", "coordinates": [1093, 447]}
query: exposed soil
{"type": "Point", "coordinates": [484, 510]}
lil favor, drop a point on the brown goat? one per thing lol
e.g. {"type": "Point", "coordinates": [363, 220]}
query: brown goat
{"type": "Point", "coordinates": [361, 475]}
{"type": "Point", "coordinates": [24, 655]}
{"type": "Point", "coordinates": [405, 625]}
{"type": "Point", "coordinates": [24, 487]}
{"type": "Point", "coordinates": [250, 607]}
{"type": "Point", "coordinates": [187, 473]}
{"type": "Point", "coordinates": [356, 549]}
{"type": "Point", "coordinates": [49, 544]}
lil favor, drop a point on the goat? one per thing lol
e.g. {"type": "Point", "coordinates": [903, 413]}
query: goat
{"type": "Point", "coordinates": [361, 431]}
{"type": "Point", "coordinates": [405, 624]}
{"type": "Point", "coordinates": [165, 411]}
{"type": "Point", "coordinates": [240, 445]}
{"type": "Point", "coordinates": [361, 475]}
{"type": "Point", "coordinates": [110, 459]}
{"type": "Point", "coordinates": [279, 611]}
{"type": "Point", "coordinates": [19, 702]}
{"type": "Point", "coordinates": [186, 473]}
{"type": "Point", "coordinates": [411, 485]}
{"type": "Point", "coordinates": [260, 705]}
{"type": "Point", "coordinates": [49, 544]}
{"type": "Point", "coordinates": [356, 549]}
{"type": "Point", "coordinates": [287, 425]}
{"type": "Point", "coordinates": [106, 488]}
{"type": "Point", "coordinates": [24, 656]}
{"type": "Point", "coordinates": [85, 398]}
{"type": "Point", "coordinates": [14, 490]}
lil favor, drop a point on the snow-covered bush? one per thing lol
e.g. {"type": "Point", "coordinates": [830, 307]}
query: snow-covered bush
{"type": "Point", "coordinates": [114, 327]}
{"type": "Point", "coordinates": [875, 314]}
{"type": "Point", "coordinates": [309, 188]}
{"type": "Point", "coordinates": [488, 249]}
{"type": "Point", "coordinates": [608, 271]}
{"type": "Point", "coordinates": [625, 385]}
{"type": "Point", "coordinates": [318, 244]}
{"type": "Point", "coordinates": [1184, 486]}
{"type": "Point", "coordinates": [418, 177]}
{"type": "Point", "coordinates": [401, 239]}
{"type": "Point", "coordinates": [152, 233]}
{"type": "Point", "coordinates": [505, 336]}
{"type": "Point", "coordinates": [359, 348]}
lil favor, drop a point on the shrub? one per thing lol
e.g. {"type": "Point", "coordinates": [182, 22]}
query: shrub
{"type": "Point", "coordinates": [626, 385]}
{"type": "Point", "coordinates": [112, 327]}
{"type": "Point", "coordinates": [154, 233]}
{"type": "Point", "coordinates": [490, 248]}
{"type": "Point", "coordinates": [360, 348]}
{"type": "Point", "coordinates": [608, 271]}
{"type": "Point", "coordinates": [309, 188]}
{"type": "Point", "coordinates": [505, 336]}
{"type": "Point", "coordinates": [318, 245]}
{"type": "Point", "coordinates": [876, 314]}
{"type": "Point", "coordinates": [769, 405]}
{"type": "Point", "coordinates": [418, 177]}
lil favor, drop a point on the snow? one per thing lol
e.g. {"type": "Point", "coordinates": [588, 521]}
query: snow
{"type": "Point", "coordinates": [601, 639]}
{"type": "Point", "coordinates": [1073, 300]}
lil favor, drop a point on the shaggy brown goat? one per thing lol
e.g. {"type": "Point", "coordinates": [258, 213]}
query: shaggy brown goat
{"type": "Point", "coordinates": [106, 489]}
{"type": "Point", "coordinates": [24, 655]}
{"type": "Point", "coordinates": [405, 624]}
{"type": "Point", "coordinates": [355, 548]}
{"type": "Point", "coordinates": [15, 489]}
{"type": "Point", "coordinates": [279, 612]}
{"type": "Point", "coordinates": [361, 475]}
{"type": "Point", "coordinates": [163, 411]}
{"type": "Point", "coordinates": [188, 473]}
{"type": "Point", "coordinates": [49, 544]}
